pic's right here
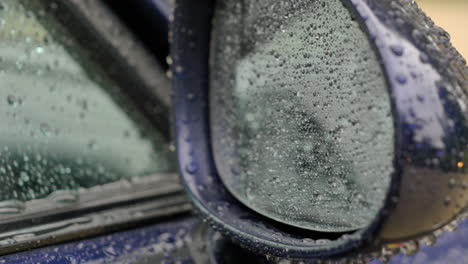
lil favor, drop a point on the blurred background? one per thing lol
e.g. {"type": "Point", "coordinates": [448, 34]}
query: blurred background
{"type": "Point", "coordinates": [451, 15]}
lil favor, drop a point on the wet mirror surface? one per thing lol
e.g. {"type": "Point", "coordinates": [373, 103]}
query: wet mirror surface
{"type": "Point", "coordinates": [300, 113]}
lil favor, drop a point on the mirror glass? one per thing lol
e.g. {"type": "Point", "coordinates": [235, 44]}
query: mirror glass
{"type": "Point", "coordinates": [302, 128]}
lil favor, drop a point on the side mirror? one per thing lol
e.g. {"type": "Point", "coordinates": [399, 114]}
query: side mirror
{"type": "Point", "coordinates": [315, 128]}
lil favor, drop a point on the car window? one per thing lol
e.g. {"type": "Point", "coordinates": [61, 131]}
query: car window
{"type": "Point", "coordinates": [62, 130]}
{"type": "Point", "coordinates": [71, 142]}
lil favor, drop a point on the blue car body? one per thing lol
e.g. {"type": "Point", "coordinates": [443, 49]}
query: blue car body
{"type": "Point", "coordinates": [170, 242]}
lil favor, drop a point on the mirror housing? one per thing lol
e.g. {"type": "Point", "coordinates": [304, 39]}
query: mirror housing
{"type": "Point", "coordinates": [428, 85]}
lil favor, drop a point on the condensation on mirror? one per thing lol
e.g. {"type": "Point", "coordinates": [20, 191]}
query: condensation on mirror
{"type": "Point", "coordinates": [300, 113]}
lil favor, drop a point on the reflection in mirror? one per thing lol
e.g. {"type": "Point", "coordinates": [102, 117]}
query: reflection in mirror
{"type": "Point", "coordinates": [300, 113]}
{"type": "Point", "coordinates": [62, 130]}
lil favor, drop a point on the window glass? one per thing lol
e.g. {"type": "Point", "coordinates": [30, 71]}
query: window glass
{"type": "Point", "coordinates": [301, 116]}
{"type": "Point", "coordinates": [60, 128]}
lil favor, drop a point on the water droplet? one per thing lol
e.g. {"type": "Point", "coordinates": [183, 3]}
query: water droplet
{"type": "Point", "coordinates": [24, 176]}
{"type": "Point", "coordinates": [45, 129]}
{"type": "Point", "coordinates": [430, 240]}
{"type": "Point", "coordinates": [191, 168]}
{"type": "Point", "coordinates": [110, 251]}
{"type": "Point", "coordinates": [11, 99]}
{"type": "Point", "coordinates": [452, 227]}
{"type": "Point", "coordinates": [92, 144]}
{"type": "Point", "coordinates": [410, 248]}
{"type": "Point", "coordinates": [169, 60]}
{"type": "Point", "coordinates": [401, 78]}
{"type": "Point", "coordinates": [235, 170]}
{"type": "Point", "coordinates": [452, 183]}
{"type": "Point", "coordinates": [190, 96]}
{"type": "Point", "coordinates": [423, 58]}
{"type": "Point", "coordinates": [39, 50]}
{"type": "Point", "coordinates": [397, 50]}
{"type": "Point", "coordinates": [179, 69]}
{"type": "Point", "coordinates": [464, 185]}
{"type": "Point", "coordinates": [71, 260]}
{"type": "Point", "coordinates": [447, 200]}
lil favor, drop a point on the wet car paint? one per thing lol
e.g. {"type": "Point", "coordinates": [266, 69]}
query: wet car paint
{"type": "Point", "coordinates": [178, 241]}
